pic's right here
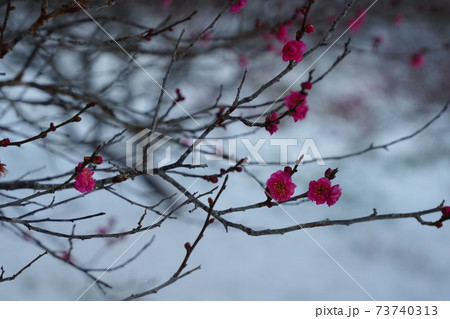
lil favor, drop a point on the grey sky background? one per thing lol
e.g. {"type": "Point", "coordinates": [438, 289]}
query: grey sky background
{"type": "Point", "coordinates": [373, 96]}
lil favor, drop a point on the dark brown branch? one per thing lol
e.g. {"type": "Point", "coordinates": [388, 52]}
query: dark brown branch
{"type": "Point", "coordinates": [158, 288]}
{"type": "Point", "coordinates": [20, 271]}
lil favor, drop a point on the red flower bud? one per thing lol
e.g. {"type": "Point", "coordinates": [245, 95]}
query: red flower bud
{"type": "Point", "coordinates": [210, 201]}
{"type": "Point", "coordinates": [306, 85]}
{"type": "Point", "coordinates": [119, 178]}
{"type": "Point", "coordinates": [309, 28]}
{"type": "Point", "coordinates": [213, 179]}
{"type": "Point", "coordinates": [445, 211]}
{"type": "Point", "coordinates": [97, 160]}
{"type": "Point", "coordinates": [187, 245]}
{"type": "Point", "coordinates": [52, 127]}
{"type": "Point", "coordinates": [438, 224]}
{"type": "Point", "coordinates": [239, 169]}
{"type": "Point", "coordinates": [5, 142]}
{"type": "Point", "coordinates": [77, 119]}
{"type": "Point", "coordinates": [331, 173]}
{"type": "Point", "coordinates": [211, 220]}
{"type": "Point", "coordinates": [288, 169]}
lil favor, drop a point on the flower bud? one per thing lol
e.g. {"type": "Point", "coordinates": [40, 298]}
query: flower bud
{"type": "Point", "coordinates": [309, 28]}
{"type": "Point", "coordinates": [97, 160]}
{"type": "Point", "coordinates": [306, 85]}
{"type": "Point", "coordinates": [331, 173]}
{"type": "Point", "coordinates": [119, 178]}
{"type": "Point", "coordinates": [213, 179]}
{"type": "Point", "coordinates": [445, 211]}
{"type": "Point", "coordinates": [5, 142]}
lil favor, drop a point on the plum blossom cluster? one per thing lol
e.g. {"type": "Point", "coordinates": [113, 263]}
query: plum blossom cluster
{"type": "Point", "coordinates": [281, 188]}
{"type": "Point", "coordinates": [322, 192]}
{"type": "Point", "coordinates": [84, 182]}
{"type": "Point", "coordinates": [296, 101]}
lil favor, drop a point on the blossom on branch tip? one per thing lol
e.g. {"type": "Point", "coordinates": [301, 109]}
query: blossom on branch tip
{"type": "Point", "coordinates": [273, 127]}
{"type": "Point", "coordinates": [5, 142]}
{"type": "Point", "coordinates": [84, 182]}
{"type": "Point", "coordinates": [322, 192]}
{"type": "Point", "coordinates": [238, 5]}
{"type": "Point", "coordinates": [293, 51]}
{"type": "Point", "coordinates": [280, 186]}
{"type": "Point", "coordinates": [306, 85]}
{"type": "Point", "coordinates": [297, 100]}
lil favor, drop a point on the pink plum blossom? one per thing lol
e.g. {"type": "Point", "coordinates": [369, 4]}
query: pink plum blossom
{"type": "Point", "coordinates": [84, 182]}
{"type": "Point", "coordinates": [322, 192]}
{"type": "Point", "coordinates": [272, 128]}
{"type": "Point", "coordinates": [293, 51]}
{"type": "Point", "coordinates": [357, 22]}
{"type": "Point", "coordinates": [280, 186]}
{"type": "Point", "coordinates": [238, 5]}
{"type": "Point", "coordinates": [294, 100]}
{"type": "Point", "coordinates": [281, 33]}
